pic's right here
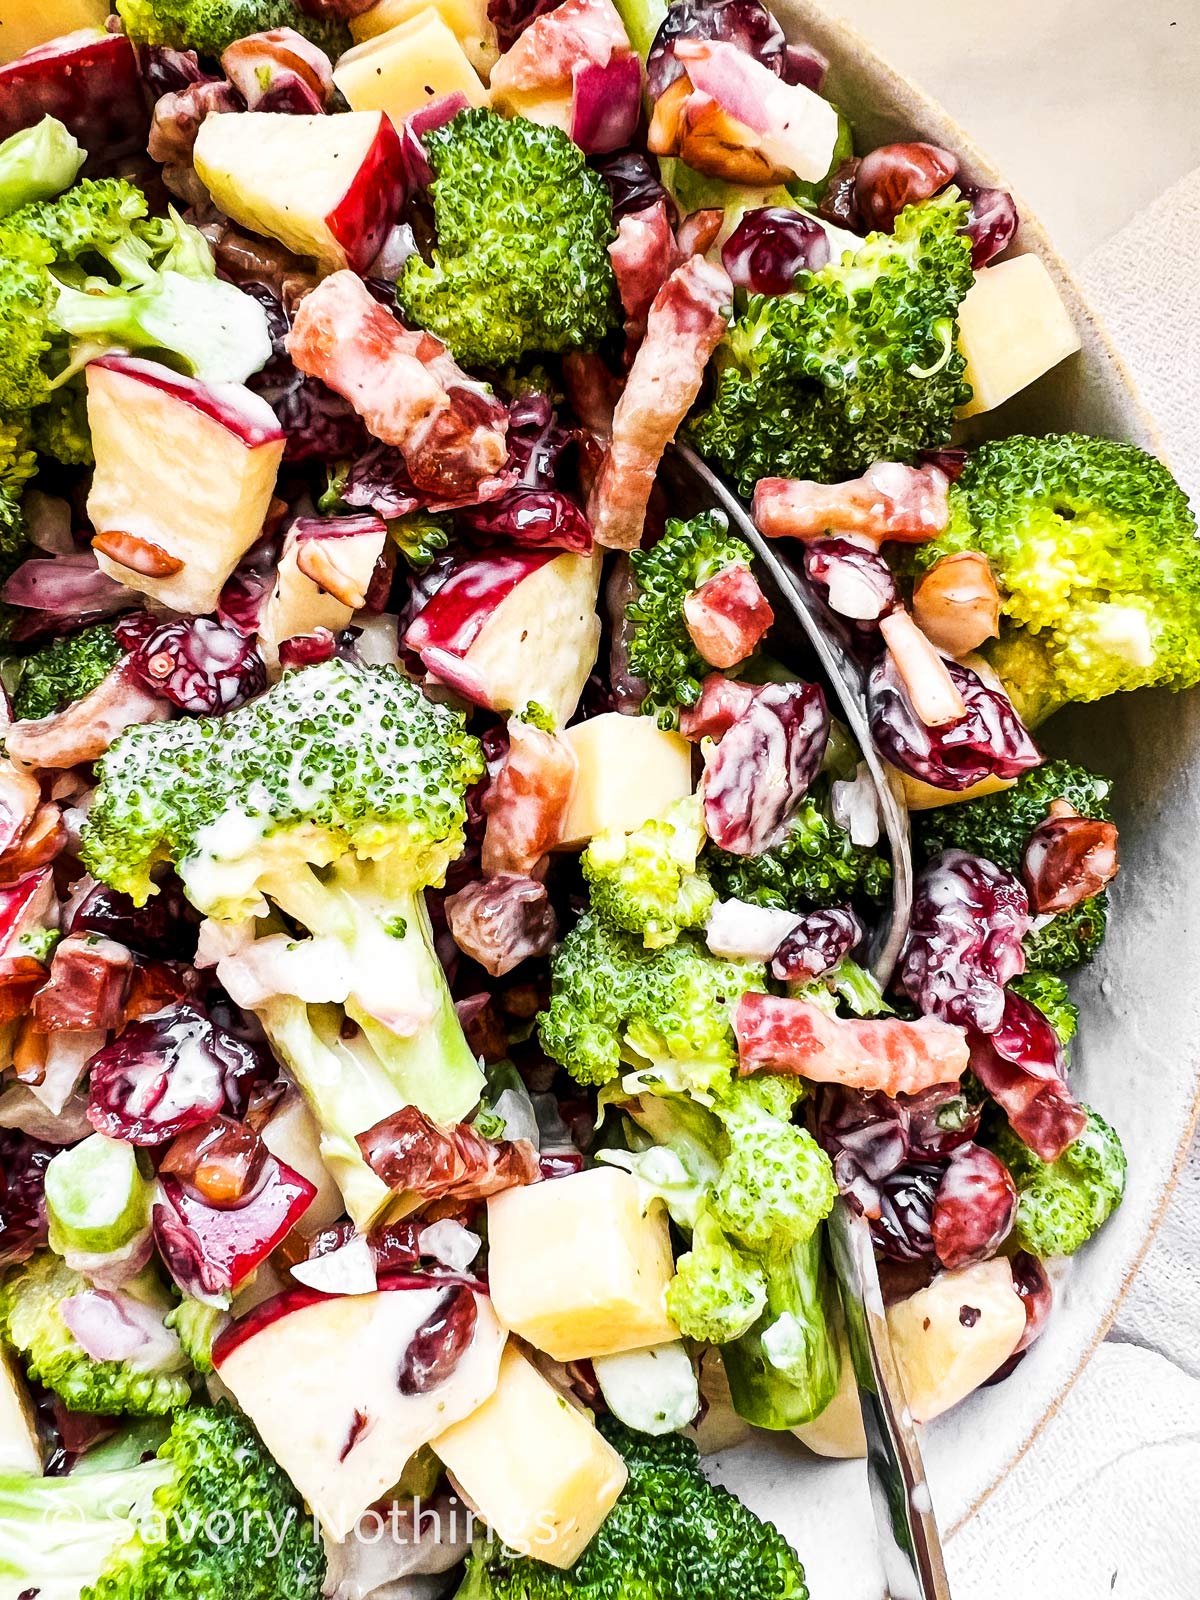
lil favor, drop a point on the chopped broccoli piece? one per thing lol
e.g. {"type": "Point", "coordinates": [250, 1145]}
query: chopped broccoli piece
{"type": "Point", "coordinates": [32, 1323]}
{"type": "Point", "coordinates": [719, 1291]}
{"type": "Point", "coordinates": [1048, 992]}
{"type": "Point", "coordinates": [65, 670]}
{"type": "Point", "coordinates": [998, 827]}
{"type": "Point", "coordinates": [420, 537]}
{"type": "Point", "coordinates": [36, 163]}
{"type": "Point", "coordinates": [661, 651]}
{"type": "Point", "coordinates": [671, 1536]}
{"type": "Point", "coordinates": [666, 1013]}
{"type": "Point", "coordinates": [60, 426]}
{"type": "Point", "coordinates": [208, 26]}
{"type": "Point", "coordinates": [197, 1325]}
{"type": "Point", "coordinates": [817, 864]}
{"type": "Point", "coordinates": [858, 365]}
{"type": "Point", "coordinates": [210, 1517]}
{"type": "Point", "coordinates": [1062, 1203]}
{"type": "Point", "coordinates": [523, 225]}
{"type": "Point", "coordinates": [646, 882]}
{"type": "Point", "coordinates": [26, 299]}
{"type": "Point", "coordinates": [1094, 548]}
{"type": "Point", "coordinates": [336, 798]}
{"type": "Point", "coordinates": [18, 462]}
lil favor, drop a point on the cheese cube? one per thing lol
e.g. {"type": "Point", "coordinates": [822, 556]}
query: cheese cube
{"type": "Point", "coordinates": [533, 1467]}
{"type": "Point", "coordinates": [25, 24]}
{"type": "Point", "coordinates": [951, 1337]}
{"type": "Point", "coordinates": [467, 20]}
{"type": "Point", "coordinates": [1012, 328]}
{"type": "Point", "coordinates": [406, 68]}
{"type": "Point", "coordinates": [550, 108]}
{"type": "Point", "coordinates": [630, 770]}
{"type": "Point", "coordinates": [576, 1269]}
{"type": "Point", "coordinates": [19, 1447]}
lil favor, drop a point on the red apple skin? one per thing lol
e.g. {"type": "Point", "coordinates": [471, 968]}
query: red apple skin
{"type": "Point", "coordinates": [237, 1240]}
{"type": "Point", "coordinates": [370, 207]}
{"type": "Point", "coordinates": [89, 81]}
{"type": "Point", "coordinates": [210, 402]}
{"type": "Point", "coordinates": [455, 616]}
{"type": "Point", "coordinates": [282, 1305]}
{"type": "Point", "coordinates": [17, 903]}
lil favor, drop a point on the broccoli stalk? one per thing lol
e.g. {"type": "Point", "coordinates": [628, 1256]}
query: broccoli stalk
{"type": "Point", "coordinates": [1062, 1203]}
{"type": "Point", "coordinates": [335, 799]}
{"type": "Point", "coordinates": [1093, 545]}
{"type": "Point", "coordinates": [521, 261]}
{"type": "Point", "coordinates": [210, 1516]}
{"type": "Point", "coordinates": [671, 1536]}
{"type": "Point", "coordinates": [209, 26]}
{"type": "Point", "coordinates": [65, 670]}
{"type": "Point", "coordinates": [661, 651]}
{"type": "Point", "coordinates": [37, 163]}
{"type": "Point", "coordinates": [858, 365]}
{"type": "Point", "coordinates": [646, 882]}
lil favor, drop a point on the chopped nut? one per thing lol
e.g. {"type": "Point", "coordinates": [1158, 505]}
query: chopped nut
{"type": "Point", "coordinates": [139, 555]}
{"type": "Point", "coordinates": [957, 604]}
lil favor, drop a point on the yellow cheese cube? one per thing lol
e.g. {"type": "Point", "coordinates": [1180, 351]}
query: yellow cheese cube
{"type": "Point", "coordinates": [24, 24]}
{"type": "Point", "coordinates": [944, 1355]}
{"type": "Point", "coordinates": [406, 68]}
{"type": "Point", "coordinates": [467, 20]}
{"type": "Point", "coordinates": [576, 1269]}
{"type": "Point", "coordinates": [533, 1467]}
{"type": "Point", "coordinates": [550, 108]}
{"type": "Point", "coordinates": [1012, 328]}
{"type": "Point", "coordinates": [630, 770]}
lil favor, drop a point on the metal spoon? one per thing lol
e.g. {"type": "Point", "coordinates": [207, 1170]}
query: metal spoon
{"type": "Point", "coordinates": [909, 1545]}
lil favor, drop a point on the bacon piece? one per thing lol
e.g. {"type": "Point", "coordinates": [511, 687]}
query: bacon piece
{"type": "Point", "coordinates": [84, 730]}
{"type": "Point", "coordinates": [889, 501]}
{"type": "Point", "coordinates": [1021, 1066]}
{"type": "Point", "coordinates": [722, 701]}
{"type": "Point", "coordinates": [728, 615]}
{"type": "Point", "coordinates": [527, 801]}
{"type": "Point", "coordinates": [698, 231]}
{"type": "Point", "coordinates": [579, 33]}
{"type": "Point", "coordinates": [502, 921]}
{"type": "Point", "coordinates": [20, 979]}
{"type": "Point", "coordinates": [593, 391]}
{"type": "Point", "coordinates": [414, 1156]}
{"type": "Point", "coordinates": [45, 839]}
{"type": "Point", "coordinates": [683, 329]}
{"type": "Point", "coordinates": [405, 385]}
{"type": "Point", "coordinates": [1068, 858]}
{"type": "Point", "coordinates": [643, 254]}
{"type": "Point", "coordinates": [798, 1037]}
{"type": "Point", "coordinates": [88, 985]}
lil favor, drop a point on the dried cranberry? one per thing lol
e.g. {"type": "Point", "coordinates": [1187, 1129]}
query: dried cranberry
{"type": "Point", "coordinates": [319, 424]}
{"type": "Point", "coordinates": [249, 585]}
{"type": "Point", "coordinates": [947, 460]}
{"type": "Point", "coordinates": [394, 1245]}
{"type": "Point", "coordinates": [853, 581]}
{"type": "Point", "coordinates": [764, 766]}
{"type": "Point", "coordinates": [165, 1073]}
{"type": "Point", "coordinates": [532, 519]}
{"type": "Point", "coordinates": [974, 1209]}
{"type": "Point", "coordinates": [745, 23]}
{"type": "Point", "coordinates": [771, 246]}
{"type": "Point", "coordinates": [940, 1120]}
{"type": "Point", "coordinates": [806, 66]}
{"type": "Point", "coordinates": [166, 926]}
{"type": "Point", "coordinates": [502, 921]}
{"type": "Point", "coordinates": [991, 741]}
{"type": "Point", "coordinates": [964, 943]}
{"type": "Point", "coordinates": [440, 1342]}
{"type": "Point", "coordinates": [1032, 1283]}
{"type": "Point", "coordinates": [1021, 1065]}
{"type": "Point", "coordinates": [819, 941]}
{"type": "Point", "coordinates": [23, 1163]}
{"type": "Point", "coordinates": [899, 175]}
{"type": "Point", "coordinates": [839, 203]}
{"type": "Point", "coordinates": [512, 17]}
{"type": "Point", "coordinates": [902, 1224]}
{"type": "Point", "coordinates": [198, 664]}
{"type": "Point", "coordinates": [633, 183]}
{"type": "Point", "coordinates": [991, 224]}
{"type": "Point", "coordinates": [306, 649]}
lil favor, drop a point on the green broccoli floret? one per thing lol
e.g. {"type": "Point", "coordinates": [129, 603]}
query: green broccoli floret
{"type": "Point", "coordinates": [817, 864]}
{"type": "Point", "coordinates": [335, 798]}
{"type": "Point", "coordinates": [18, 461]}
{"type": "Point", "coordinates": [210, 1517]}
{"type": "Point", "coordinates": [26, 298]}
{"type": "Point", "coordinates": [65, 670]}
{"type": "Point", "coordinates": [32, 1324]}
{"type": "Point", "coordinates": [1048, 992]}
{"type": "Point", "coordinates": [646, 882]}
{"type": "Point", "coordinates": [420, 537]}
{"type": "Point", "coordinates": [662, 1016]}
{"type": "Point", "coordinates": [858, 365]}
{"type": "Point", "coordinates": [1094, 548]}
{"type": "Point", "coordinates": [208, 26]}
{"type": "Point", "coordinates": [1062, 1203]}
{"type": "Point", "coordinates": [719, 1290]}
{"type": "Point", "coordinates": [671, 1536]}
{"type": "Point", "coordinates": [661, 651]}
{"type": "Point", "coordinates": [523, 225]}
{"type": "Point", "coordinates": [197, 1326]}
{"type": "Point", "coordinates": [998, 827]}
{"type": "Point", "coordinates": [60, 427]}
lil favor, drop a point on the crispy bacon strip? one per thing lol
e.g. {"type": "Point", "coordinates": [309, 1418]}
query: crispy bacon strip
{"type": "Point", "coordinates": [407, 388]}
{"type": "Point", "coordinates": [889, 501]}
{"type": "Point", "coordinates": [414, 1156]}
{"type": "Point", "coordinates": [684, 327]}
{"type": "Point", "coordinates": [722, 702]}
{"type": "Point", "coordinates": [88, 986]}
{"type": "Point", "coordinates": [527, 801]}
{"type": "Point", "coordinates": [885, 1054]}
{"type": "Point", "coordinates": [579, 33]}
{"type": "Point", "coordinates": [84, 730]}
{"type": "Point", "coordinates": [643, 254]}
{"type": "Point", "coordinates": [728, 615]}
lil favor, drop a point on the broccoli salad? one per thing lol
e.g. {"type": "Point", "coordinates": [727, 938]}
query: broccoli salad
{"type": "Point", "coordinates": [437, 916]}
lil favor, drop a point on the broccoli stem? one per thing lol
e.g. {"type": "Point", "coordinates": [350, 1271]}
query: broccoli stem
{"type": "Point", "coordinates": [56, 1534]}
{"type": "Point", "coordinates": [785, 1370]}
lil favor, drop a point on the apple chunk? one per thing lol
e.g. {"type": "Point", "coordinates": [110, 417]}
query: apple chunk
{"type": "Point", "coordinates": [324, 572]}
{"type": "Point", "coordinates": [510, 630]}
{"type": "Point", "coordinates": [329, 187]}
{"type": "Point", "coordinates": [184, 477]}
{"type": "Point", "coordinates": [88, 80]}
{"type": "Point", "coordinates": [344, 1389]}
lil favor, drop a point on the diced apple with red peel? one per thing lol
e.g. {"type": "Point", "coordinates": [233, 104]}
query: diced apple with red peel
{"type": "Point", "coordinates": [508, 630]}
{"type": "Point", "coordinates": [29, 24]}
{"type": "Point", "coordinates": [88, 80]}
{"type": "Point", "coordinates": [183, 469]}
{"type": "Point", "coordinates": [323, 1380]}
{"type": "Point", "coordinates": [25, 908]}
{"type": "Point", "coordinates": [329, 187]}
{"type": "Point", "coordinates": [324, 573]}
{"type": "Point", "coordinates": [235, 1241]}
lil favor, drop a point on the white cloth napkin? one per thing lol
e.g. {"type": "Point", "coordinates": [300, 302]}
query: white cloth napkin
{"type": "Point", "coordinates": [1105, 1502]}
